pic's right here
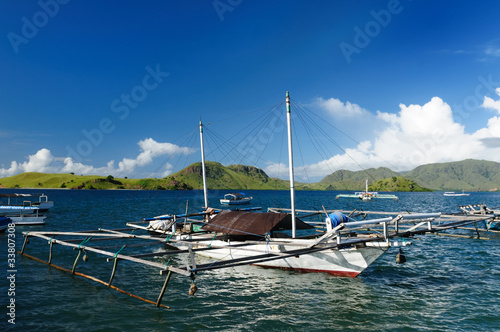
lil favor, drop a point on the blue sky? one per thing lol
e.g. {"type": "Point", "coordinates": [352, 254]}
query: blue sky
{"type": "Point", "coordinates": [115, 87]}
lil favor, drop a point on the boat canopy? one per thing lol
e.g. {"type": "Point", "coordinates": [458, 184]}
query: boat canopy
{"type": "Point", "coordinates": [251, 223]}
{"type": "Point", "coordinates": [235, 195]}
{"type": "Point", "coordinates": [21, 195]}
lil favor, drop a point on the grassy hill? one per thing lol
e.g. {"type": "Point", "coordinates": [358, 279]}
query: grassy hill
{"type": "Point", "coordinates": [350, 180]}
{"type": "Point", "coordinates": [71, 181]}
{"type": "Point", "coordinates": [470, 174]}
{"type": "Point", "coordinates": [230, 177]}
{"type": "Point", "coordinates": [396, 183]}
{"type": "Point", "coordinates": [218, 177]}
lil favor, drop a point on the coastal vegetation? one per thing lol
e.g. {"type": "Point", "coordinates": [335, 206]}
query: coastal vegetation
{"type": "Point", "coordinates": [470, 175]}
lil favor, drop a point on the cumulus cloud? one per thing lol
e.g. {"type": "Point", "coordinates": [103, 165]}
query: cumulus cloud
{"type": "Point", "coordinates": [43, 161]}
{"type": "Point", "coordinates": [150, 149]}
{"type": "Point", "coordinates": [490, 136]}
{"type": "Point", "coordinates": [38, 162]}
{"type": "Point", "coordinates": [416, 135]}
{"type": "Point", "coordinates": [489, 103]}
{"type": "Point", "coordinates": [338, 108]}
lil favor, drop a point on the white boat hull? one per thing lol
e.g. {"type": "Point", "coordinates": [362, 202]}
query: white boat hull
{"type": "Point", "coordinates": [28, 220]}
{"type": "Point", "coordinates": [234, 202]}
{"type": "Point", "coordinates": [347, 262]}
{"type": "Point", "coordinates": [44, 206]}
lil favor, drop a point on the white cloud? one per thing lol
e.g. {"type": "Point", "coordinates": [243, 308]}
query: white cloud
{"type": "Point", "coordinates": [339, 109]}
{"type": "Point", "coordinates": [38, 162]}
{"type": "Point", "coordinates": [416, 135]}
{"type": "Point", "coordinates": [489, 103]}
{"type": "Point", "coordinates": [43, 161]}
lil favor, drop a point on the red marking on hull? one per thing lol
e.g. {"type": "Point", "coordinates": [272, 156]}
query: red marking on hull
{"type": "Point", "coordinates": [334, 273]}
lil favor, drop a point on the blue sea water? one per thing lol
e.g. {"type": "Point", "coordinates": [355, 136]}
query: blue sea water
{"type": "Point", "coordinates": [447, 284]}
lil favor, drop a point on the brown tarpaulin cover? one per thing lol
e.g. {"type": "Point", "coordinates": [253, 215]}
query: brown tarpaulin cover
{"type": "Point", "coordinates": [251, 223]}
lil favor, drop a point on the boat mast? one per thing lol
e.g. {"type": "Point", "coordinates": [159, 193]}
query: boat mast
{"type": "Point", "coordinates": [290, 161]}
{"type": "Point", "coordinates": [204, 176]}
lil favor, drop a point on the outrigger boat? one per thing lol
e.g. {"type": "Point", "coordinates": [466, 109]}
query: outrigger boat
{"type": "Point", "coordinates": [367, 195]}
{"type": "Point", "coordinates": [42, 203]}
{"type": "Point", "coordinates": [270, 239]}
{"type": "Point", "coordinates": [454, 194]}
{"type": "Point", "coordinates": [235, 199]}
{"type": "Point", "coordinates": [23, 215]}
{"type": "Point", "coordinates": [276, 238]}
{"type": "Point", "coordinates": [492, 224]}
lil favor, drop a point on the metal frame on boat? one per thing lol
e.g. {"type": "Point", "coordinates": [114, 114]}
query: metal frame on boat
{"type": "Point", "coordinates": [43, 204]}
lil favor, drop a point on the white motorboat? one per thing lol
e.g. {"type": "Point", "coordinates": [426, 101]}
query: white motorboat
{"type": "Point", "coordinates": [452, 193]}
{"type": "Point", "coordinates": [23, 215]}
{"type": "Point", "coordinates": [41, 201]}
{"type": "Point", "coordinates": [236, 199]}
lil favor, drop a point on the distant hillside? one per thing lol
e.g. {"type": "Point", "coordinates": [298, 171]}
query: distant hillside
{"type": "Point", "coordinates": [396, 183]}
{"type": "Point", "coordinates": [71, 181]}
{"type": "Point", "coordinates": [218, 177]}
{"type": "Point", "coordinates": [230, 177]}
{"type": "Point", "coordinates": [470, 174]}
{"type": "Point", "coordinates": [355, 180]}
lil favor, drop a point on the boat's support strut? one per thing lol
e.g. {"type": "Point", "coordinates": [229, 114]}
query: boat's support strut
{"type": "Point", "coordinates": [167, 279]}
{"type": "Point", "coordinates": [115, 263]}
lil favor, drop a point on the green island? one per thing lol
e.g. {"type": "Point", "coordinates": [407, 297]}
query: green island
{"type": "Point", "coordinates": [470, 175]}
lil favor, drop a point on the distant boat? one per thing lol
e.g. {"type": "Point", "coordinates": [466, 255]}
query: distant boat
{"type": "Point", "coordinates": [22, 215]}
{"type": "Point", "coordinates": [235, 199]}
{"type": "Point", "coordinates": [42, 203]}
{"type": "Point", "coordinates": [367, 195]}
{"type": "Point", "coordinates": [452, 193]}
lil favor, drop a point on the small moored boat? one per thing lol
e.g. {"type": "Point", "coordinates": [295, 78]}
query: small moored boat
{"type": "Point", "coordinates": [367, 195]}
{"type": "Point", "coordinates": [27, 200]}
{"type": "Point", "coordinates": [23, 215]}
{"type": "Point", "coordinates": [452, 193]}
{"type": "Point", "coordinates": [235, 199]}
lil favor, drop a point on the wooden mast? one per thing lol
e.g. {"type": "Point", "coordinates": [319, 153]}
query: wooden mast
{"type": "Point", "coordinates": [203, 166]}
{"type": "Point", "coordinates": [290, 161]}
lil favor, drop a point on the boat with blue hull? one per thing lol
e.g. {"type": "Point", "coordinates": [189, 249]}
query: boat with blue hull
{"type": "Point", "coordinates": [40, 201]}
{"type": "Point", "coordinates": [23, 215]}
